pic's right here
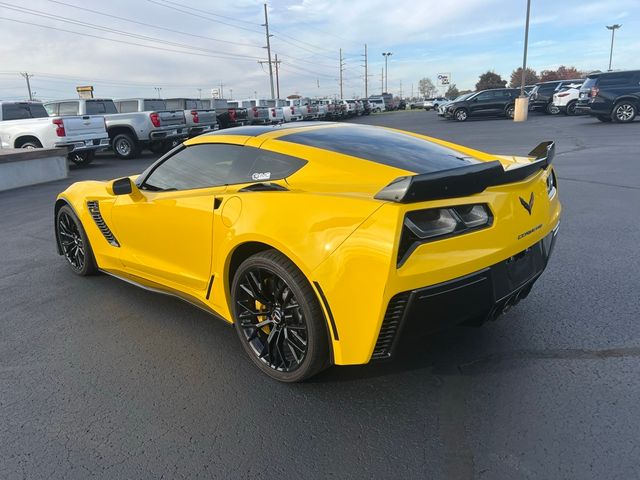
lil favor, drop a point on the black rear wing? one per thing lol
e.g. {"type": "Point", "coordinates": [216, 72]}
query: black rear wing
{"type": "Point", "coordinates": [464, 181]}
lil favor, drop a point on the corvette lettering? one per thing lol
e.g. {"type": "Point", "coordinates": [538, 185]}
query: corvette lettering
{"type": "Point", "coordinates": [529, 232]}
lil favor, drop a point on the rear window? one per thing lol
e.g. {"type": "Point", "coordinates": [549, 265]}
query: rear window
{"type": "Point", "coordinates": [151, 105]}
{"type": "Point", "coordinates": [97, 107]}
{"type": "Point", "coordinates": [588, 83]}
{"type": "Point", "coordinates": [394, 149]}
{"type": "Point", "coordinates": [19, 111]}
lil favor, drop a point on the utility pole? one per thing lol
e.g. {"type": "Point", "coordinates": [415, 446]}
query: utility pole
{"type": "Point", "coordinates": [400, 89]}
{"type": "Point", "coordinates": [613, 29]}
{"type": "Point", "coordinates": [27, 76]}
{"type": "Point", "coordinates": [366, 73]}
{"type": "Point", "coordinates": [158, 91]}
{"type": "Point", "coordinates": [341, 70]}
{"type": "Point", "coordinates": [200, 93]}
{"type": "Point", "coordinates": [386, 56]}
{"type": "Point", "coordinates": [382, 82]}
{"type": "Point", "coordinates": [221, 90]}
{"type": "Point", "coordinates": [521, 108]}
{"type": "Point", "coordinates": [277, 79]}
{"type": "Point", "coordinates": [266, 25]}
{"type": "Point", "coordinates": [411, 90]}
{"type": "Point", "coordinates": [231, 94]}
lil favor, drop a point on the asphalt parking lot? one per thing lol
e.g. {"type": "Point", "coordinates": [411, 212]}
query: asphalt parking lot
{"type": "Point", "coordinates": [99, 379]}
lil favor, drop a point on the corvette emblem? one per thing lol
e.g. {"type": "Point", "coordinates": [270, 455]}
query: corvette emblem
{"type": "Point", "coordinates": [527, 206]}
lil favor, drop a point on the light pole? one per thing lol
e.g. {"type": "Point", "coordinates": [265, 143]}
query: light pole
{"type": "Point", "coordinates": [613, 29]}
{"type": "Point", "coordinates": [386, 56]}
{"type": "Point", "coordinates": [521, 108]}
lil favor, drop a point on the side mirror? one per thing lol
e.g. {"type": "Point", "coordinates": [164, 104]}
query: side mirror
{"type": "Point", "coordinates": [122, 186]}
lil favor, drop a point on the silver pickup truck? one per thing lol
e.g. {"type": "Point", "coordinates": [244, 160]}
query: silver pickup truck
{"type": "Point", "coordinates": [200, 118]}
{"type": "Point", "coordinates": [27, 125]}
{"type": "Point", "coordinates": [258, 114]}
{"type": "Point", "coordinates": [130, 130]}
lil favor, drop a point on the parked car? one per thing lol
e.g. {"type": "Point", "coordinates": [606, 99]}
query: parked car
{"type": "Point", "coordinates": [434, 103]}
{"type": "Point", "coordinates": [611, 96]}
{"type": "Point", "coordinates": [485, 103]}
{"type": "Point", "coordinates": [201, 118]}
{"type": "Point", "coordinates": [541, 97]}
{"type": "Point", "coordinates": [28, 125]}
{"type": "Point", "coordinates": [377, 104]}
{"type": "Point", "coordinates": [416, 104]}
{"type": "Point", "coordinates": [565, 99]}
{"type": "Point", "coordinates": [366, 107]}
{"type": "Point", "coordinates": [132, 130]}
{"type": "Point", "coordinates": [228, 113]}
{"type": "Point", "coordinates": [258, 114]}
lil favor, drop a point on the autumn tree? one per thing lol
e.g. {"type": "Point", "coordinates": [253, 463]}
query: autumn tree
{"type": "Point", "coordinates": [530, 77]}
{"type": "Point", "coordinates": [426, 87]}
{"type": "Point", "coordinates": [490, 80]}
{"type": "Point", "coordinates": [568, 73]}
{"type": "Point", "coordinates": [452, 91]}
{"type": "Point", "coordinates": [549, 75]}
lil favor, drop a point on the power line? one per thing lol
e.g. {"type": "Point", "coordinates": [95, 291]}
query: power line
{"type": "Point", "coordinates": [255, 45]}
{"type": "Point", "coordinates": [207, 12]}
{"type": "Point", "coordinates": [125, 42]}
{"type": "Point", "coordinates": [39, 13]}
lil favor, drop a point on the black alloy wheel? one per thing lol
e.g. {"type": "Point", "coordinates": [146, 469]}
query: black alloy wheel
{"type": "Point", "coordinates": [571, 108]}
{"type": "Point", "coordinates": [74, 243]}
{"type": "Point", "coordinates": [82, 158]}
{"type": "Point", "coordinates": [278, 318]}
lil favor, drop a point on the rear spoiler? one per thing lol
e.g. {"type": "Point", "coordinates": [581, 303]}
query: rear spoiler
{"type": "Point", "coordinates": [464, 181]}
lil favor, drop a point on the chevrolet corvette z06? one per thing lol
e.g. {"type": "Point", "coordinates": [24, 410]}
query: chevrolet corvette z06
{"type": "Point", "coordinates": [324, 243]}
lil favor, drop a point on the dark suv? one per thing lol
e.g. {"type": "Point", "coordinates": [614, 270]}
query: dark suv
{"type": "Point", "coordinates": [541, 97]}
{"type": "Point", "coordinates": [496, 102]}
{"type": "Point", "coordinates": [611, 96]}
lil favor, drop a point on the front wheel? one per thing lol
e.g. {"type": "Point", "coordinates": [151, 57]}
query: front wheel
{"type": "Point", "coordinates": [74, 243]}
{"type": "Point", "coordinates": [82, 158]}
{"type": "Point", "coordinates": [624, 112]}
{"type": "Point", "coordinates": [278, 318]}
{"type": "Point", "coordinates": [461, 115]}
{"type": "Point", "coordinates": [510, 111]}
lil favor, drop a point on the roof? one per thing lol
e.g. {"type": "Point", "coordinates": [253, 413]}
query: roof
{"type": "Point", "coordinates": [612, 72]}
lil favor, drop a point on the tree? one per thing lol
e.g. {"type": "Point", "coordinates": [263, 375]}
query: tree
{"type": "Point", "coordinates": [426, 87]}
{"type": "Point", "coordinates": [530, 77]}
{"type": "Point", "coordinates": [452, 91]}
{"type": "Point", "coordinates": [490, 80]}
{"type": "Point", "coordinates": [569, 73]}
{"type": "Point", "coordinates": [548, 75]}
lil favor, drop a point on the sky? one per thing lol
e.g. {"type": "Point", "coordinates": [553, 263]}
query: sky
{"type": "Point", "coordinates": [180, 48]}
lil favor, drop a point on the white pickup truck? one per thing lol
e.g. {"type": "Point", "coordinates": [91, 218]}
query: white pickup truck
{"type": "Point", "coordinates": [130, 130]}
{"type": "Point", "coordinates": [27, 125]}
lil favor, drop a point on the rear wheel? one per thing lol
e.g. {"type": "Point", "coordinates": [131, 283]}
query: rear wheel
{"type": "Point", "coordinates": [624, 112]}
{"type": "Point", "coordinates": [74, 243]}
{"type": "Point", "coordinates": [82, 158]}
{"type": "Point", "coordinates": [125, 146]}
{"type": "Point", "coordinates": [552, 109]}
{"type": "Point", "coordinates": [278, 318]}
{"type": "Point", "coordinates": [461, 115]}
{"type": "Point", "coordinates": [571, 108]}
{"type": "Point", "coordinates": [30, 144]}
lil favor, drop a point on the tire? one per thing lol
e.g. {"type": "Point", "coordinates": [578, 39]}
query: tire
{"type": "Point", "coordinates": [260, 284]}
{"type": "Point", "coordinates": [125, 146]}
{"type": "Point", "coordinates": [30, 144]}
{"type": "Point", "coordinates": [82, 158]}
{"type": "Point", "coordinates": [624, 112]}
{"type": "Point", "coordinates": [551, 109]}
{"type": "Point", "coordinates": [158, 147]}
{"type": "Point", "coordinates": [74, 243]}
{"type": "Point", "coordinates": [510, 111]}
{"type": "Point", "coordinates": [604, 118]}
{"type": "Point", "coordinates": [571, 108]}
{"type": "Point", "coordinates": [461, 115]}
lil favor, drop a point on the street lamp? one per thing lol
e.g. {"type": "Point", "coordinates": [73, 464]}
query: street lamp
{"type": "Point", "coordinates": [613, 29]}
{"type": "Point", "coordinates": [521, 107]}
{"type": "Point", "coordinates": [386, 56]}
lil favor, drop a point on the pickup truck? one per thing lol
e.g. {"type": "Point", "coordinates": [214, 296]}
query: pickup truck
{"type": "Point", "coordinates": [200, 117]}
{"type": "Point", "coordinates": [229, 113]}
{"type": "Point", "coordinates": [131, 129]}
{"type": "Point", "coordinates": [258, 114]}
{"type": "Point", "coordinates": [28, 125]}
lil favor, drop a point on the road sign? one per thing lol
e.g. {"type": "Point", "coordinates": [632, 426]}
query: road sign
{"type": "Point", "coordinates": [215, 93]}
{"type": "Point", "coordinates": [85, 91]}
{"type": "Point", "coordinates": [444, 79]}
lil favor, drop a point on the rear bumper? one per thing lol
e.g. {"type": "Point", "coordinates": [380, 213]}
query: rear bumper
{"type": "Point", "coordinates": [84, 145]}
{"type": "Point", "coordinates": [179, 132]}
{"type": "Point", "coordinates": [200, 129]}
{"type": "Point", "coordinates": [474, 298]}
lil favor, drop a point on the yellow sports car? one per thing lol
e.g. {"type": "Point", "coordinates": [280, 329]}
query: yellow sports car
{"type": "Point", "coordinates": [323, 243]}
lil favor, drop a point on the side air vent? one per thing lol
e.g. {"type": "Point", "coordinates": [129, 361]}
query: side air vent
{"type": "Point", "coordinates": [94, 210]}
{"type": "Point", "coordinates": [390, 325]}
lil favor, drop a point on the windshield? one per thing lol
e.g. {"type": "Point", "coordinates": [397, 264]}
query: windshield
{"type": "Point", "coordinates": [464, 97]}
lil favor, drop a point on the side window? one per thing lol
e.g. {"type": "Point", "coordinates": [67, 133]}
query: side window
{"type": "Point", "coordinates": [615, 79]}
{"type": "Point", "coordinates": [128, 107]}
{"type": "Point", "coordinates": [52, 109]}
{"type": "Point", "coordinates": [485, 96]}
{"type": "Point", "coordinates": [98, 107]}
{"type": "Point", "coordinates": [210, 165]}
{"type": "Point", "coordinates": [174, 104]}
{"type": "Point", "coordinates": [68, 108]}
{"type": "Point", "coordinates": [15, 111]}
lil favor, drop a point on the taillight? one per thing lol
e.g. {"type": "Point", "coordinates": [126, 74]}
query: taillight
{"type": "Point", "coordinates": [273, 112]}
{"type": "Point", "coordinates": [293, 110]}
{"type": "Point", "coordinates": [562, 94]}
{"type": "Point", "coordinates": [594, 92]}
{"type": "Point", "coordinates": [155, 119]}
{"type": "Point", "coordinates": [232, 115]}
{"type": "Point", "coordinates": [59, 123]}
{"type": "Point", "coordinates": [194, 114]}
{"type": "Point", "coordinates": [255, 111]}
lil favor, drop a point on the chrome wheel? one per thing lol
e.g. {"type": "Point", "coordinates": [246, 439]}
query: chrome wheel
{"type": "Point", "coordinates": [71, 241]}
{"type": "Point", "coordinates": [123, 147]}
{"type": "Point", "coordinates": [271, 319]}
